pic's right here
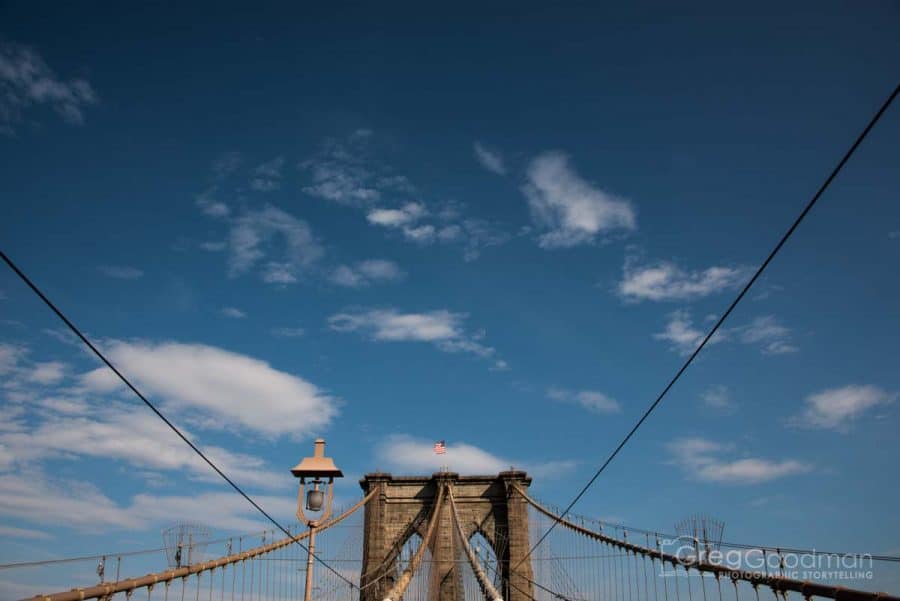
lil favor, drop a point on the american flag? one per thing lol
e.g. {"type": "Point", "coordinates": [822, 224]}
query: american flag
{"type": "Point", "coordinates": [440, 448]}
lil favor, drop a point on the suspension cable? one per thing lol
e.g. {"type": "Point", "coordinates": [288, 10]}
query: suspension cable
{"type": "Point", "coordinates": [775, 582]}
{"type": "Point", "coordinates": [732, 545]}
{"type": "Point", "coordinates": [386, 563]}
{"type": "Point", "coordinates": [784, 238]}
{"type": "Point", "coordinates": [158, 413]}
{"type": "Point", "coordinates": [486, 587]}
{"type": "Point", "coordinates": [399, 587]}
{"type": "Point", "coordinates": [555, 594]}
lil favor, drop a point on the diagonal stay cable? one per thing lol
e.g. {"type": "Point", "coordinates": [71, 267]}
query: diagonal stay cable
{"type": "Point", "coordinates": [784, 238]}
{"type": "Point", "coordinates": [730, 544]}
{"type": "Point", "coordinates": [158, 413]}
{"type": "Point", "coordinates": [553, 594]}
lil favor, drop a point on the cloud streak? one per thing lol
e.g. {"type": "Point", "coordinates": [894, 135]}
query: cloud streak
{"type": "Point", "coordinates": [34, 499]}
{"type": "Point", "coordinates": [681, 334]}
{"type": "Point", "coordinates": [365, 273]}
{"type": "Point", "coordinates": [441, 328]}
{"type": "Point", "coordinates": [410, 455]}
{"type": "Point", "coordinates": [213, 385]}
{"type": "Point", "coordinates": [667, 282]}
{"type": "Point", "coordinates": [419, 225]}
{"type": "Point", "coordinates": [257, 235]}
{"type": "Point", "coordinates": [764, 332]}
{"type": "Point", "coordinates": [267, 177]}
{"type": "Point", "coordinates": [490, 159]}
{"type": "Point", "coordinates": [591, 400]}
{"type": "Point", "coordinates": [27, 81]}
{"type": "Point", "coordinates": [837, 408]}
{"type": "Point", "coordinates": [345, 173]}
{"type": "Point", "coordinates": [121, 272]}
{"type": "Point", "coordinates": [718, 398]}
{"type": "Point", "coordinates": [119, 433]}
{"type": "Point", "coordinates": [704, 460]}
{"type": "Point", "coordinates": [342, 172]}
{"type": "Point", "coordinates": [768, 334]}
{"type": "Point", "coordinates": [569, 209]}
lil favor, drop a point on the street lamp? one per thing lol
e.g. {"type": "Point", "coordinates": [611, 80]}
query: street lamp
{"type": "Point", "coordinates": [316, 467]}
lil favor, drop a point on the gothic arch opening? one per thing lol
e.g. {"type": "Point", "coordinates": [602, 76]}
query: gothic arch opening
{"type": "Point", "coordinates": [419, 585]}
{"type": "Point", "coordinates": [487, 556]}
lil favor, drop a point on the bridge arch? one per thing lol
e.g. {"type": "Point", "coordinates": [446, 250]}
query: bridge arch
{"type": "Point", "coordinates": [486, 506]}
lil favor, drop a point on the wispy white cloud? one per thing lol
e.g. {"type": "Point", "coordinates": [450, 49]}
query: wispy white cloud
{"type": "Point", "coordinates": [222, 510]}
{"type": "Point", "coordinates": [380, 270]}
{"type": "Point", "coordinates": [222, 168]}
{"type": "Point", "coordinates": [769, 334]}
{"type": "Point", "coordinates": [477, 235]}
{"type": "Point", "coordinates": [490, 159]}
{"type": "Point", "coordinates": [718, 398]}
{"type": "Point", "coordinates": [764, 332]}
{"type": "Point", "coordinates": [267, 177]}
{"type": "Point", "coordinates": [35, 499]}
{"type": "Point", "coordinates": [212, 385]}
{"type": "Point", "coordinates": [837, 408]}
{"type": "Point", "coordinates": [212, 207]}
{"type": "Point", "coordinates": [345, 185]}
{"type": "Point", "coordinates": [121, 272]}
{"type": "Point", "coordinates": [703, 459]}
{"type": "Point", "coordinates": [569, 209]}
{"type": "Point", "coordinates": [682, 335]}
{"type": "Point", "coordinates": [213, 245]}
{"type": "Point", "coordinates": [441, 328]}
{"type": "Point", "coordinates": [390, 325]}
{"type": "Point", "coordinates": [47, 372]}
{"type": "Point", "coordinates": [232, 312]}
{"type": "Point", "coordinates": [591, 400]}
{"type": "Point", "coordinates": [149, 444]}
{"type": "Point", "coordinates": [348, 277]}
{"type": "Point", "coordinates": [364, 273]}
{"type": "Point", "coordinates": [410, 455]}
{"type": "Point", "coordinates": [69, 422]}
{"type": "Point", "coordinates": [421, 233]}
{"type": "Point", "coordinates": [288, 332]}
{"type": "Point", "coordinates": [29, 533]}
{"type": "Point", "coordinates": [10, 355]}
{"type": "Point", "coordinates": [257, 234]}
{"type": "Point", "coordinates": [56, 418]}
{"type": "Point", "coordinates": [401, 217]}
{"type": "Point", "coordinates": [63, 402]}
{"type": "Point", "coordinates": [275, 272]}
{"type": "Point", "coordinates": [226, 164]}
{"type": "Point", "coordinates": [665, 281]}
{"type": "Point", "coordinates": [280, 247]}
{"type": "Point", "coordinates": [343, 173]}
{"type": "Point", "coordinates": [422, 226]}
{"type": "Point", "coordinates": [26, 81]}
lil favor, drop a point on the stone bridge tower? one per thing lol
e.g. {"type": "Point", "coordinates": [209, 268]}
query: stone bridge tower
{"type": "Point", "coordinates": [486, 505]}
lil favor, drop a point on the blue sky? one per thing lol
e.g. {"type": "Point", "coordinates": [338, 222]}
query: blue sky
{"type": "Point", "coordinates": [503, 227]}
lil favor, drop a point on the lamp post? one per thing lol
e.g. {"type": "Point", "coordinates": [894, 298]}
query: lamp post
{"type": "Point", "coordinates": [315, 468]}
